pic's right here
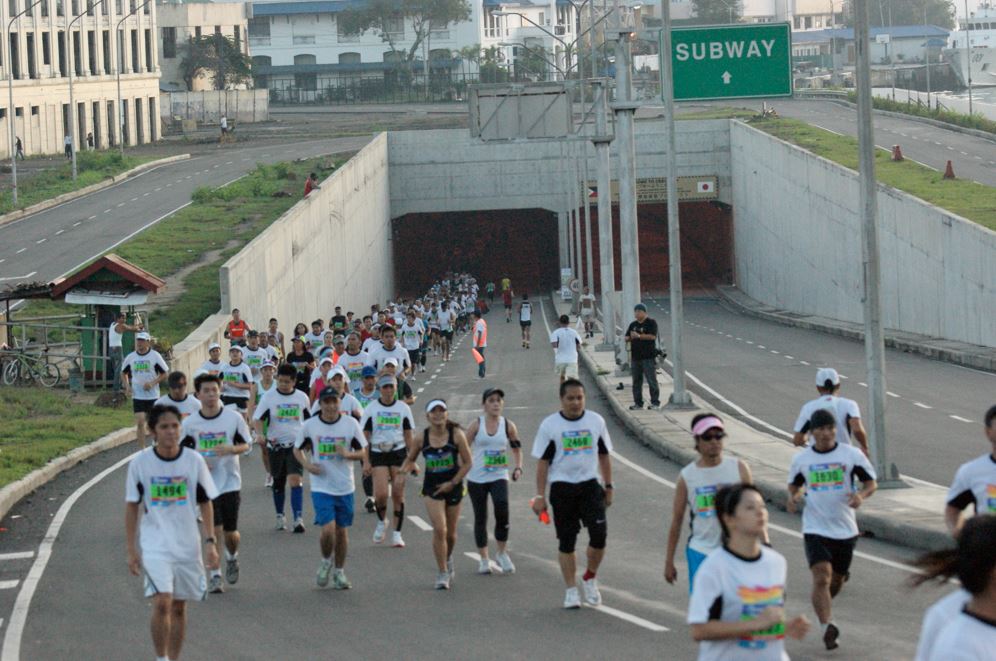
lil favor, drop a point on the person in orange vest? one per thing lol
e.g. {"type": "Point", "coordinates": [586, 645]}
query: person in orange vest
{"type": "Point", "coordinates": [237, 329]}
{"type": "Point", "coordinates": [480, 340]}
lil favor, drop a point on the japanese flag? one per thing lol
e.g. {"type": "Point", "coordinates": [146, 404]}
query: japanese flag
{"type": "Point", "coordinates": [704, 187]}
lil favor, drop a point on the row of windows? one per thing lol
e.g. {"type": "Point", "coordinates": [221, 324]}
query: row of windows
{"type": "Point", "coordinates": [170, 44]}
{"type": "Point", "coordinates": [24, 62]}
{"type": "Point", "coordinates": [983, 26]}
{"type": "Point", "coordinates": [15, 7]}
{"type": "Point", "coordinates": [349, 58]}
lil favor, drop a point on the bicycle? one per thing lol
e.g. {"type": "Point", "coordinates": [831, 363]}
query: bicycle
{"type": "Point", "coordinates": [19, 368]}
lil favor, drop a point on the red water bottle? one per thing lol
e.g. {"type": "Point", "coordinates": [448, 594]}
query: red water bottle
{"type": "Point", "coordinates": [544, 516]}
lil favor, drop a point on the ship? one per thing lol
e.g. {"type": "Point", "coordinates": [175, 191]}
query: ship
{"type": "Point", "coordinates": [980, 54]}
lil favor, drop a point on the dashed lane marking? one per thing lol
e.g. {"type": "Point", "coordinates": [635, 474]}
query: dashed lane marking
{"type": "Point", "coordinates": [59, 232]}
{"type": "Point", "coordinates": [19, 555]}
{"type": "Point", "coordinates": [40, 241]}
{"type": "Point", "coordinates": [922, 405]}
{"type": "Point", "coordinates": [77, 224]}
{"type": "Point", "coordinates": [9, 585]}
{"type": "Point", "coordinates": [959, 418]}
{"type": "Point", "coordinates": [92, 217]}
{"type": "Point", "coordinates": [892, 394]}
{"type": "Point", "coordinates": [20, 251]}
{"type": "Point", "coordinates": [420, 522]}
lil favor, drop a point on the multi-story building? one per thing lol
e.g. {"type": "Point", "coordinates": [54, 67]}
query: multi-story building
{"type": "Point", "coordinates": [179, 22]}
{"type": "Point", "coordinates": [92, 39]}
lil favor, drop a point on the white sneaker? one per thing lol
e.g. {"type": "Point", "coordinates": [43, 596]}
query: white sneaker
{"type": "Point", "coordinates": [443, 581]}
{"type": "Point", "coordinates": [484, 566]}
{"type": "Point", "coordinates": [379, 532]}
{"type": "Point", "coordinates": [396, 540]}
{"type": "Point", "coordinates": [572, 598]}
{"type": "Point", "coordinates": [281, 522]}
{"type": "Point", "coordinates": [269, 482]}
{"type": "Point", "coordinates": [505, 563]}
{"type": "Point", "coordinates": [591, 593]}
{"type": "Point", "coordinates": [449, 568]}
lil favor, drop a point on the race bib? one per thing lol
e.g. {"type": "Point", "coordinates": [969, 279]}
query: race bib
{"type": "Point", "coordinates": [440, 463]}
{"type": "Point", "coordinates": [577, 442]}
{"type": "Point", "coordinates": [705, 501]}
{"type": "Point", "coordinates": [288, 413]}
{"type": "Point", "coordinates": [387, 422]}
{"type": "Point", "coordinates": [254, 361]}
{"type": "Point", "coordinates": [755, 600]}
{"type": "Point", "coordinates": [327, 446]}
{"type": "Point", "coordinates": [231, 377]}
{"type": "Point", "coordinates": [826, 477]}
{"type": "Point", "coordinates": [495, 460]}
{"type": "Point", "coordinates": [167, 491]}
{"type": "Point", "coordinates": [208, 441]}
{"type": "Point", "coordinates": [141, 366]}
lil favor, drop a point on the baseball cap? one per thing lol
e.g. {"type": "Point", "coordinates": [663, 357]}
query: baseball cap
{"type": "Point", "coordinates": [328, 393]}
{"type": "Point", "coordinates": [492, 391]}
{"type": "Point", "coordinates": [328, 360]}
{"type": "Point", "coordinates": [341, 372]}
{"type": "Point", "coordinates": [387, 380]}
{"type": "Point", "coordinates": [434, 403]}
{"type": "Point", "coordinates": [640, 306]}
{"type": "Point", "coordinates": [369, 371]}
{"type": "Point", "coordinates": [268, 363]}
{"type": "Point", "coordinates": [825, 374]}
{"type": "Point", "coordinates": [234, 347]}
{"type": "Point", "coordinates": [143, 336]}
{"type": "Point", "coordinates": [391, 360]}
{"type": "Point", "coordinates": [338, 339]}
{"type": "Point", "coordinates": [214, 345]}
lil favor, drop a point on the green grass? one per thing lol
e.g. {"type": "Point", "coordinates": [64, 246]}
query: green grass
{"type": "Point", "coordinates": [91, 167]}
{"type": "Point", "coordinates": [41, 424]}
{"type": "Point", "coordinates": [719, 113]}
{"type": "Point", "coordinates": [973, 121]}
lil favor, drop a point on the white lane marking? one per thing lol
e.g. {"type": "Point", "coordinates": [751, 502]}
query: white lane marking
{"type": "Point", "coordinates": [476, 557]}
{"type": "Point", "coordinates": [761, 346]}
{"type": "Point", "coordinates": [20, 251]}
{"type": "Point", "coordinates": [19, 616]}
{"type": "Point", "coordinates": [92, 217]}
{"type": "Point", "coordinates": [59, 232]}
{"type": "Point", "coordinates": [922, 405]}
{"type": "Point", "coordinates": [145, 194]}
{"type": "Point", "coordinates": [749, 342]}
{"type": "Point", "coordinates": [843, 377]}
{"type": "Point", "coordinates": [642, 471]}
{"type": "Point", "coordinates": [168, 185]}
{"type": "Point", "coordinates": [632, 619]}
{"type": "Point", "coordinates": [420, 389]}
{"type": "Point", "coordinates": [77, 224]}
{"type": "Point", "coordinates": [826, 129]}
{"type": "Point", "coordinates": [420, 522]}
{"type": "Point", "coordinates": [2, 261]}
{"type": "Point", "coordinates": [862, 384]}
{"type": "Point", "coordinates": [963, 153]}
{"type": "Point", "coordinates": [892, 394]}
{"type": "Point", "coordinates": [789, 357]}
{"type": "Point", "coordinates": [157, 190]}
{"type": "Point", "coordinates": [959, 418]}
{"type": "Point", "coordinates": [134, 199]}
{"type": "Point", "coordinates": [9, 585]}
{"type": "Point", "coordinates": [40, 241]}
{"type": "Point", "coordinates": [19, 555]}
{"type": "Point", "coordinates": [775, 352]}
{"type": "Point", "coordinates": [119, 204]}
{"type": "Point", "coordinates": [228, 162]}
{"type": "Point", "coordinates": [18, 277]}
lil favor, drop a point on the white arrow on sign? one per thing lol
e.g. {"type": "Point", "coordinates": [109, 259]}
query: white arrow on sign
{"type": "Point", "coordinates": [726, 77]}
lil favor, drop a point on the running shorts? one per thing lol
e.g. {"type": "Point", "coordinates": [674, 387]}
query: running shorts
{"type": "Point", "coordinates": [838, 552]}
{"type": "Point", "coordinates": [329, 508]}
{"type": "Point", "coordinates": [451, 498]}
{"type": "Point", "coordinates": [391, 458]}
{"type": "Point", "coordinates": [226, 510]}
{"type": "Point", "coordinates": [567, 370]}
{"type": "Point", "coordinates": [142, 405]}
{"type": "Point", "coordinates": [574, 505]}
{"type": "Point", "coordinates": [241, 403]}
{"type": "Point", "coordinates": [184, 580]}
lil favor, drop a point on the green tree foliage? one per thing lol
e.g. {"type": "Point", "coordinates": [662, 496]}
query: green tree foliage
{"type": "Point", "coordinates": [214, 56]}
{"type": "Point", "coordinates": [717, 12]}
{"type": "Point", "coordinates": [884, 13]}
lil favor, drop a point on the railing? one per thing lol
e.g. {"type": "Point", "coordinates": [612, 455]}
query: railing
{"type": "Point", "coordinates": [64, 345]}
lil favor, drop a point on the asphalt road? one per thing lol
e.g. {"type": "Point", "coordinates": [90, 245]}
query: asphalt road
{"type": "Point", "coordinates": [54, 242]}
{"type": "Point", "coordinates": [933, 409]}
{"type": "Point", "coordinates": [87, 606]}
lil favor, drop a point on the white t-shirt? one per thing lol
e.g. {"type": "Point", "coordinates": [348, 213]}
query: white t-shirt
{"type": "Point", "coordinates": [975, 483]}
{"type": "Point", "coordinates": [379, 354]}
{"type": "Point", "coordinates": [703, 483]}
{"type": "Point", "coordinates": [828, 478]}
{"type": "Point", "coordinates": [169, 490]}
{"type": "Point", "coordinates": [370, 344]}
{"type": "Point", "coordinates": [186, 406]}
{"type": "Point", "coordinates": [254, 359]}
{"type": "Point", "coordinates": [567, 340]}
{"type": "Point", "coordinates": [489, 453]}
{"type": "Point", "coordinates": [572, 446]}
{"type": "Point", "coordinates": [354, 368]}
{"type": "Point", "coordinates": [285, 413]}
{"type": "Point", "coordinates": [143, 369]}
{"type": "Point", "coordinates": [209, 367]}
{"type": "Point", "coordinates": [942, 612]}
{"type": "Point", "coordinates": [113, 336]}
{"type": "Point", "coordinates": [347, 404]}
{"type": "Point", "coordinates": [525, 311]}
{"type": "Point", "coordinates": [445, 318]}
{"type": "Point", "coordinates": [235, 374]}
{"type": "Point", "coordinates": [743, 588]}
{"type": "Point", "coordinates": [387, 425]}
{"type": "Point", "coordinates": [966, 638]}
{"type": "Point", "coordinates": [204, 434]}
{"type": "Point", "coordinates": [322, 438]}
{"type": "Point", "coordinates": [411, 335]}
{"type": "Point", "coordinates": [314, 342]}
{"type": "Point", "coordinates": [480, 339]}
{"type": "Point", "coordinates": [844, 410]}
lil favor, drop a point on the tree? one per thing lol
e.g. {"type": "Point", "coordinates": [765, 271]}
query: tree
{"type": "Point", "coordinates": [717, 12]}
{"type": "Point", "coordinates": [883, 13]}
{"type": "Point", "coordinates": [217, 57]}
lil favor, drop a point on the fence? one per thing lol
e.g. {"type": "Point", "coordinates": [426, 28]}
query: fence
{"type": "Point", "coordinates": [66, 341]}
{"type": "Point", "coordinates": [207, 107]}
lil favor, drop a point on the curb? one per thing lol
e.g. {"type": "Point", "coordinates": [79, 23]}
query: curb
{"type": "Point", "coordinates": [15, 491]}
{"type": "Point", "coordinates": [986, 360]}
{"type": "Point", "coordinates": [874, 525]}
{"type": "Point", "coordinates": [92, 188]}
{"type": "Point", "coordinates": [923, 120]}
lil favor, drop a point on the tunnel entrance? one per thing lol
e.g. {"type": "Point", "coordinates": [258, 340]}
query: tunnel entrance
{"type": "Point", "coordinates": [518, 243]}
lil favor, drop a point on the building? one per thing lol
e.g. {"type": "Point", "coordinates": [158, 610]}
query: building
{"type": "Point", "coordinates": [179, 22]}
{"type": "Point", "coordinates": [900, 43]}
{"type": "Point", "coordinates": [42, 47]}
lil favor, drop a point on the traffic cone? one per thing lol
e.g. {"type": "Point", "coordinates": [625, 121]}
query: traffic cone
{"type": "Point", "coordinates": [949, 171]}
{"type": "Point", "coordinates": [897, 153]}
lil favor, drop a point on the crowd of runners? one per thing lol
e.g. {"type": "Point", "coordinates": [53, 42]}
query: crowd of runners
{"type": "Point", "coordinates": [330, 399]}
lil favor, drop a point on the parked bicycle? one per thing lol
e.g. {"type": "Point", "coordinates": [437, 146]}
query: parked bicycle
{"type": "Point", "coordinates": [21, 368]}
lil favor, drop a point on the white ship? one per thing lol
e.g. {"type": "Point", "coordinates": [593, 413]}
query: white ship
{"type": "Point", "coordinates": [981, 56]}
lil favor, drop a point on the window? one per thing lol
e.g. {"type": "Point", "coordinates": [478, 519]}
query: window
{"type": "Point", "coordinates": [46, 47]}
{"type": "Point", "coordinates": [18, 112]}
{"type": "Point", "coordinates": [259, 27]}
{"type": "Point", "coordinates": [349, 58]}
{"type": "Point", "coordinates": [34, 111]}
{"type": "Point", "coordinates": [238, 38]}
{"type": "Point", "coordinates": [306, 81]}
{"type": "Point", "coordinates": [303, 39]}
{"type": "Point", "coordinates": [197, 32]}
{"type": "Point", "coordinates": [169, 43]}
{"type": "Point", "coordinates": [261, 60]}
{"type": "Point", "coordinates": [439, 32]}
{"type": "Point", "coordinates": [343, 36]}
{"type": "Point", "coordinates": [304, 59]}
{"type": "Point", "coordinates": [217, 29]}
{"type": "Point", "coordinates": [395, 26]}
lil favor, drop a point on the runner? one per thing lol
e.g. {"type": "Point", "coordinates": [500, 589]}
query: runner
{"type": "Point", "coordinates": [178, 396]}
{"type": "Point", "coordinates": [446, 319]}
{"type": "Point", "coordinates": [326, 446]}
{"type": "Point", "coordinates": [266, 345]}
{"type": "Point", "coordinates": [265, 385]}
{"type": "Point", "coordinates": [220, 435]}
{"type": "Point", "coordinates": [367, 393]}
{"type": "Point", "coordinates": [491, 436]}
{"type": "Point", "coordinates": [506, 284]}
{"type": "Point", "coordinates": [480, 341]}
{"type": "Point", "coordinates": [314, 340]}
{"type": "Point", "coordinates": [388, 424]}
{"type": "Point", "coordinates": [490, 289]}
{"type": "Point", "coordinates": [737, 609]}
{"type": "Point", "coordinates": [506, 297]}
{"type": "Point", "coordinates": [353, 361]}
{"type": "Point", "coordinates": [236, 329]}
{"type": "Point", "coordinates": [142, 371]}
{"type": "Point", "coordinates": [213, 364]}
{"type": "Point", "coordinates": [303, 362]}
{"type": "Point", "coordinates": [286, 409]}
{"type": "Point", "coordinates": [823, 474]}
{"type": "Point", "coordinates": [276, 336]}
{"type": "Point", "coordinates": [168, 486]}
{"type": "Point", "coordinates": [573, 448]}
{"type": "Point", "coordinates": [567, 344]}
{"type": "Point", "coordinates": [412, 333]}
{"type": "Point", "coordinates": [447, 461]}
{"type": "Point", "coordinates": [587, 301]}
{"type": "Point", "coordinates": [390, 349]}
{"type": "Point", "coordinates": [320, 379]}
{"type": "Point", "coordinates": [373, 340]}
{"type": "Point", "coordinates": [338, 322]}
{"type": "Point", "coordinates": [696, 490]}
{"type": "Point", "coordinates": [404, 391]}
{"type": "Point", "coordinates": [347, 403]}
{"type": "Point", "coordinates": [525, 319]}
{"type": "Point", "coordinates": [238, 383]}
{"type": "Point", "coordinates": [975, 482]}
{"type": "Point", "coordinates": [845, 412]}
{"type": "Point", "coordinates": [327, 348]}
{"type": "Point", "coordinates": [253, 354]}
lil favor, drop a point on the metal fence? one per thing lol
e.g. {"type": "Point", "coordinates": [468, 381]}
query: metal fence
{"type": "Point", "coordinates": [67, 342]}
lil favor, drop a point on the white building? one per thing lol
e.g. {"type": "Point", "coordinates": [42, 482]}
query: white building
{"type": "Point", "coordinates": [179, 22]}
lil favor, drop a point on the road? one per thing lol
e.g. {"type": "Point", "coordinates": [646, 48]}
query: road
{"type": "Point", "coordinates": [275, 611]}
{"type": "Point", "coordinates": [54, 242]}
{"type": "Point", "coordinates": [933, 409]}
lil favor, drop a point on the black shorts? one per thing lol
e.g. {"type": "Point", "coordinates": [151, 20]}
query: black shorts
{"type": "Point", "coordinates": [448, 334]}
{"type": "Point", "coordinates": [142, 405]}
{"type": "Point", "coordinates": [242, 403]}
{"type": "Point", "coordinates": [283, 462]}
{"type": "Point", "coordinates": [525, 324]}
{"type": "Point", "coordinates": [391, 458]}
{"type": "Point", "coordinates": [226, 510]}
{"type": "Point", "coordinates": [575, 505]}
{"type": "Point", "coordinates": [508, 306]}
{"type": "Point", "coordinates": [413, 356]}
{"type": "Point", "coordinates": [838, 552]}
{"type": "Point", "coordinates": [452, 497]}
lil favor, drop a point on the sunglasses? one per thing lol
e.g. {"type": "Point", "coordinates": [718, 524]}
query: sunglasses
{"type": "Point", "coordinates": [713, 437]}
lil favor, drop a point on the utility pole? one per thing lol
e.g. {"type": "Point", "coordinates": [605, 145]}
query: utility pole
{"type": "Point", "coordinates": [874, 338]}
{"type": "Point", "coordinates": [625, 109]}
{"type": "Point", "coordinates": [606, 261]}
{"type": "Point", "coordinates": [586, 201]}
{"type": "Point", "coordinates": [968, 55]}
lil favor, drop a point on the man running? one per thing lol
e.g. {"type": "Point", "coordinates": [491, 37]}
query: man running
{"type": "Point", "coordinates": [567, 345]}
{"type": "Point", "coordinates": [238, 383]}
{"type": "Point", "coordinates": [178, 396]}
{"type": "Point", "coordinates": [845, 412]}
{"type": "Point", "coordinates": [587, 305]}
{"type": "Point", "coordinates": [220, 435]}
{"type": "Point", "coordinates": [446, 320]}
{"type": "Point", "coordinates": [506, 297]}
{"type": "Point", "coordinates": [490, 290]}
{"type": "Point", "coordinates": [823, 474]}
{"type": "Point", "coordinates": [572, 448]}
{"type": "Point", "coordinates": [480, 340]}
{"type": "Point", "coordinates": [353, 360]}
{"type": "Point", "coordinates": [390, 349]}
{"type": "Point", "coordinates": [276, 336]}
{"type": "Point", "coordinates": [525, 319]}
{"type": "Point", "coordinates": [315, 339]}
{"type": "Point", "coordinates": [974, 483]}
{"type": "Point", "coordinates": [236, 329]}
{"type": "Point", "coordinates": [213, 364]}
{"type": "Point", "coordinates": [253, 354]}
{"type": "Point", "coordinates": [265, 385]}
{"type": "Point", "coordinates": [338, 322]}
{"type": "Point", "coordinates": [142, 371]}
{"type": "Point", "coordinates": [168, 485]}
{"type": "Point", "coordinates": [326, 446]}
{"type": "Point", "coordinates": [412, 333]}
{"type": "Point", "coordinates": [367, 393]}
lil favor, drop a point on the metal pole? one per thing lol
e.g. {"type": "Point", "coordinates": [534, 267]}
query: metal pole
{"type": "Point", "coordinates": [874, 340]}
{"type": "Point", "coordinates": [10, 117]}
{"type": "Point", "coordinates": [606, 260]}
{"type": "Point", "coordinates": [968, 56]}
{"type": "Point", "coordinates": [591, 41]}
{"type": "Point", "coordinates": [72, 101]}
{"type": "Point", "coordinates": [927, 56]}
{"type": "Point", "coordinates": [679, 397]}
{"type": "Point", "coordinates": [625, 108]}
{"type": "Point", "coordinates": [586, 200]}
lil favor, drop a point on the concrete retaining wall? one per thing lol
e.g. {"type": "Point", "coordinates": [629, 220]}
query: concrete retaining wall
{"type": "Point", "coordinates": [207, 107]}
{"type": "Point", "coordinates": [798, 245]}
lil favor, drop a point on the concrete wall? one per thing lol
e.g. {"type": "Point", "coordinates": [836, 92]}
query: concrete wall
{"type": "Point", "coordinates": [798, 246]}
{"type": "Point", "coordinates": [447, 170]}
{"type": "Point", "coordinates": [332, 248]}
{"type": "Point", "coordinates": [207, 107]}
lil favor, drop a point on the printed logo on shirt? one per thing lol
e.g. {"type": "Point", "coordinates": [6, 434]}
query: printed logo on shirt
{"type": "Point", "coordinates": [288, 413]}
{"type": "Point", "coordinates": [440, 463]}
{"type": "Point", "coordinates": [755, 600]}
{"type": "Point", "coordinates": [142, 366]}
{"type": "Point", "coordinates": [167, 491]}
{"type": "Point", "coordinates": [991, 497]}
{"type": "Point", "coordinates": [577, 442]}
{"type": "Point", "coordinates": [495, 460]}
{"type": "Point", "coordinates": [826, 477]}
{"type": "Point", "coordinates": [207, 441]}
{"type": "Point", "coordinates": [705, 501]}
{"type": "Point", "coordinates": [327, 446]}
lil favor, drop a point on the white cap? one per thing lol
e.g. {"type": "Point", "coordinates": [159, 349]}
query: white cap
{"type": "Point", "coordinates": [214, 345]}
{"type": "Point", "coordinates": [340, 371]}
{"type": "Point", "coordinates": [825, 374]}
{"type": "Point", "coordinates": [328, 360]}
{"type": "Point", "coordinates": [391, 360]}
{"type": "Point", "coordinates": [143, 336]}
{"type": "Point", "coordinates": [434, 403]}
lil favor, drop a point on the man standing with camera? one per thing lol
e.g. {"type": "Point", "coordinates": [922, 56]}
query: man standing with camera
{"type": "Point", "coordinates": [642, 337]}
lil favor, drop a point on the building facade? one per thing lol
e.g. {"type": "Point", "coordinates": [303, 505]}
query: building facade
{"type": "Point", "coordinates": [97, 41]}
{"type": "Point", "coordinates": [179, 22]}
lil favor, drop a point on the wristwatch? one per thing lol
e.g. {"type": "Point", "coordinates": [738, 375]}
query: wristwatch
{"type": "Point", "coordinates": [209, 540]}
{"type": "Point", "coordinates": [608, 486]}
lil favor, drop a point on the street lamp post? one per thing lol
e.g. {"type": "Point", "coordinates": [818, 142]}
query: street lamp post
{"type": "Point", "coordinates": [11, 115]}
{"type": "Point", "coordinates": [968, 56]}
{"type": "Point", "coordinates": [72, 102]}
{"type": "Point", "coordinates": [117, 66]}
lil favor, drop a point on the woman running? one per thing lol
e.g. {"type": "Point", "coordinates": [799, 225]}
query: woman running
{"type": "Point", "coordinates": [447, 461]}
{"type": "Point", "coordinates": [491, 436]}
{"type": "Point", "coordinates": [737, 610]}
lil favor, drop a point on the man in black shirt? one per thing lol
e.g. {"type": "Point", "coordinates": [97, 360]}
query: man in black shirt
{"type": "Point", "coordinates": [338, 322]}
{"type": "Point", "coordinates": [642, 335]}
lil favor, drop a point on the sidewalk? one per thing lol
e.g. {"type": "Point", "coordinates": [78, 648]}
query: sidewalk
{"type": "Point", "coordinates": [912, 516]}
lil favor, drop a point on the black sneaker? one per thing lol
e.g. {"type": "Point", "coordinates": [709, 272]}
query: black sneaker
{"type": "Point", "coordinates": [654, 407]}
{"type": "Point", "coordinates": [369, 505]}
{"type": "Point", "coordinates": [636, 407]}
{"type": "Point", "coordinates": [830, 637]}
